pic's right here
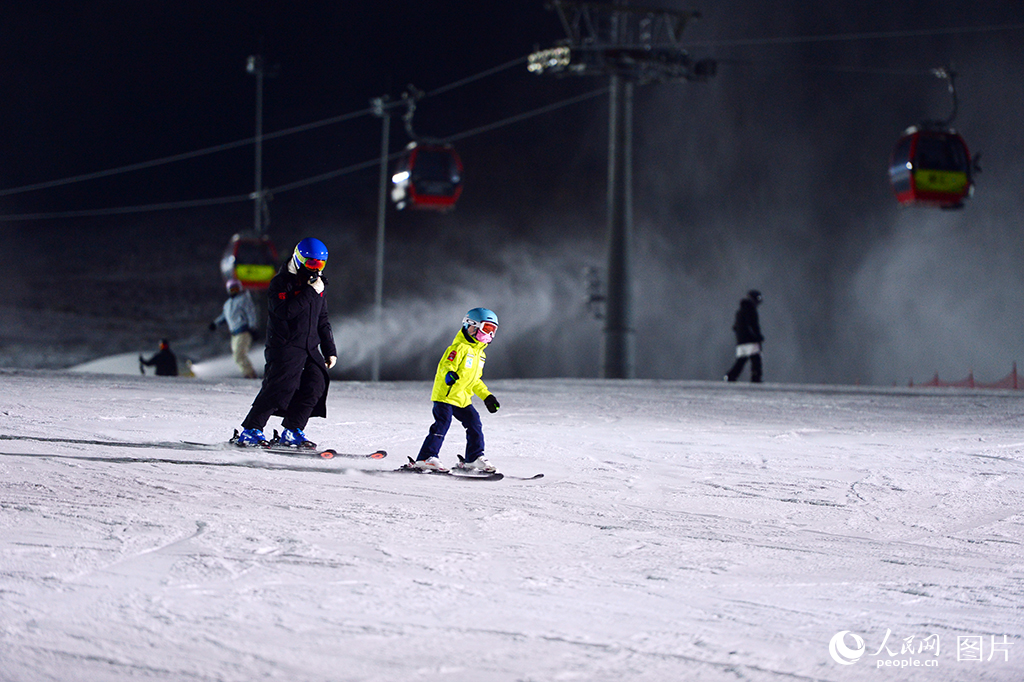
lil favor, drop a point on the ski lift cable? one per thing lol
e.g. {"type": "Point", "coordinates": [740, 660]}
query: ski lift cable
{"type": "Point", "coordinates": [248, 141]}
{"type": "Point", "coordinates": [182, 157]}
{"type": "Point", "coordinates": [85, 213]}
{"type": "Point", "coordinates": [453, 138]}
{"type": "Point", "coordinates": [849, 37]}
{"type": "Point", "coordinates": [90, 213]}
{"type": "Point", "coordinates": [482, 74]}
{"type": "Point", "coordinates": [833, 68]}
{"type": "Point", "coordinates": [510, 64]}
{"type": "Point", "coordinates": [526, 115]}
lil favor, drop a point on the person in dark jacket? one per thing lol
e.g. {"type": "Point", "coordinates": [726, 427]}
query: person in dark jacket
{"type": "Point", "coordinates": [748, 338]}
{"type": "Point", "coordinates": [164, 360]}
{"type": "Point", "coordinates": [300, 349]}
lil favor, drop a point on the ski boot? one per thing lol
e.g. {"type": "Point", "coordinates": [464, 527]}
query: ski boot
{"type": "Point", "coordinates": [295, 438]}
{"type": "Point", "coordinates": [478, 465]}
{"type": "Point", "coordinates": [251, 438]}
{"type": "Point", "coordinates": [429, 464]}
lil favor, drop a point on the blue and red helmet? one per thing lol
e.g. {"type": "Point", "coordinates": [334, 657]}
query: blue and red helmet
{"type": "Point", "coordinates": [310, 254]}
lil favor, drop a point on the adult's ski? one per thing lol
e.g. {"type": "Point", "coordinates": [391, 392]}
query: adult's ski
{"type": "Point", "coordinates": [325, 453]}
{"type": "Point", "coordinates": [276, 447]}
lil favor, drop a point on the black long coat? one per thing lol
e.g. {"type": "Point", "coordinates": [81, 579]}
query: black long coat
{"type": "Point", "coordinates": [747, 326]}
{"type": "Point", "coordinates": [298, 329]}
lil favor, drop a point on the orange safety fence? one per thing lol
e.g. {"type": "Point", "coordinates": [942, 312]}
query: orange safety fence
{"type": "Point", "coordinates": [1011, 381]}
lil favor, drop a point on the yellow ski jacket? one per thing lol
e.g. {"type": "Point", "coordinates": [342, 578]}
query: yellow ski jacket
{"type": "Point", "coordinates": [466, 358]}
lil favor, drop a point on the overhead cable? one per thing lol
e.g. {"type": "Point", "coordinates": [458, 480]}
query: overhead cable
{"type": "Point", "coordinates": [242, 143]}
{"type": "Point", "coordinates": [182, 157]}
{"type": "Point", "coordinates": [846, 37]}
{"type": "Point", "coordinates": [299, 183]}
{"type": "Point", "coordinates": [338, 119]}
{"type": "Point", "coordinates": [90, 213]}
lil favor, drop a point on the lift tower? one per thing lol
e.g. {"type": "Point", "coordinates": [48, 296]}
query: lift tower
{"type": "Point", "coordinates": [629, 45]}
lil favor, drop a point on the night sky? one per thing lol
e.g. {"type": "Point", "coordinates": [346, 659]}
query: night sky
{"type": "Point", "coordinates": [773, 175]}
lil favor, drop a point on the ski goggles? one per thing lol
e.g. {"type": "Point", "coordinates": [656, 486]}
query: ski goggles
{"type": "Point", "coordinates": [310, 263]}
{"type": "Point", "coordinates": [486, 327]}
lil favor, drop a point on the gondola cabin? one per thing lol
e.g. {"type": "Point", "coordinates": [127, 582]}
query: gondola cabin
{"type": "Point", "coordinates": [428, 176]}
{"type": "Point", "coordinates": [931, 167]}
{"type": "Point", "coordinates": [251, 260]}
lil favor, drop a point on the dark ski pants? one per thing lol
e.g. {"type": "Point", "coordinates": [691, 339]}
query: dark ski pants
{"type": "Point", "coordinates": [289, 389]}
{"type": "Point", "coordinates": [468, 416]}
{"type": "Point", "coordinates": [755, 368]}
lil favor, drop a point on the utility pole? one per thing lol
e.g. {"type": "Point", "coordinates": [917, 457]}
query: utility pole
{"type": "Point", "coordinates": [628, 45]}
{"type": "Point", "coordinates": [254, 65]}
{"type": "Point", "coordinates": [381, 109]}
{"type": "Point", "coordinates": [619, 356]}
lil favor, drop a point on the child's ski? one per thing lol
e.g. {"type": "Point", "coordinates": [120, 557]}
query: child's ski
{"type": "Point", "coordinates": [411, 468]}
{"type": "Point", "coordinates": [462, 460]}
{"type": "Point", "coordinates": [458, 472]}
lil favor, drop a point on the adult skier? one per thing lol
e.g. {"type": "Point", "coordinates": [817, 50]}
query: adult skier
{"type": "Point", "coordinates": [748, 338]}
{"type": "Point", "coordinates": [239, 314]}
{"type": "Point", "coordinates": [458, 378]}
{"type": "Point", "coordinates": [299, 338]}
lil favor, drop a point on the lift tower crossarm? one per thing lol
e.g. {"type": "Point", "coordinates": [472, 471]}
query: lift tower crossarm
{"type": "Point", "coordinates": [641, 44]}
{"type": "Point", "coordinates": [587, 23]}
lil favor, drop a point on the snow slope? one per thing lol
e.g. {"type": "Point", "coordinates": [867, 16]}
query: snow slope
{"type": "Point", "coordinates": [683, 531]}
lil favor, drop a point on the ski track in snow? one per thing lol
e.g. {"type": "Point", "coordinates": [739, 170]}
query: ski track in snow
{"type": "Point", "coordinates": [683, 531]}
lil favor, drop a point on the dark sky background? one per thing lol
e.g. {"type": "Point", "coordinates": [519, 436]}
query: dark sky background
{"type": "Point", "coordinates": [773, 175]}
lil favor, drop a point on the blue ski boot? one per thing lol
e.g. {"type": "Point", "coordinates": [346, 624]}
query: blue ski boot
{"type": "Point", "coordinates": [252, 438]}
{"type": "Point", "coordinates": [295, 438]}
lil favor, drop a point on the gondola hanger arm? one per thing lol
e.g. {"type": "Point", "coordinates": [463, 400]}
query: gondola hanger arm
{"type": "Point", "coordinates": [411, 96]}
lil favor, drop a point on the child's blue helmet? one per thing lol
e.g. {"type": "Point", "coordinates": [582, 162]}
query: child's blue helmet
{"type": "Point", "coordinates": [476, 316]}
{"type": "Point", "coordinates": [311, 254]}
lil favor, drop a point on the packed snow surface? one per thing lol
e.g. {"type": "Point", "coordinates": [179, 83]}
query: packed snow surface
{"type": "Point", "coordinates": [682, 531]}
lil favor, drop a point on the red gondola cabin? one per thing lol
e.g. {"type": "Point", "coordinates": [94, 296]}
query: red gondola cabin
{"type": "Point", "coordinates": [428, 176]}
{"type": "Point", "coordinates": [251, 260]}
{"type": "Point", "coordinates": [931, 167]}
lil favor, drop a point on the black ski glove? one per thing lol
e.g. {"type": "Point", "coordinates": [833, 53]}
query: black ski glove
{"type": "Point", "coordinates": [213, 326]}
{"type": "Point", "coordinates": [491, 403]}
{"type": "Point", "coordinates": [450, 378]}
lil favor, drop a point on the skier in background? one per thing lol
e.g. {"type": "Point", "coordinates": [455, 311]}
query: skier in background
{"type": "Point", "coordinates": [239, 314]}
{"type": "Point", "coordinates": [299, 338]}
{"type": "Point", "coordinates": [459, 377]}
{"type": "Point", "coordinates": [164, 360]}
{"type": "Point", "coordinates": [748, 338]}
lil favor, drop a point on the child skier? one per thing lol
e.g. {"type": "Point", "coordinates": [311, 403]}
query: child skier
{"type": "Point", "coordinates": [458, 377]}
